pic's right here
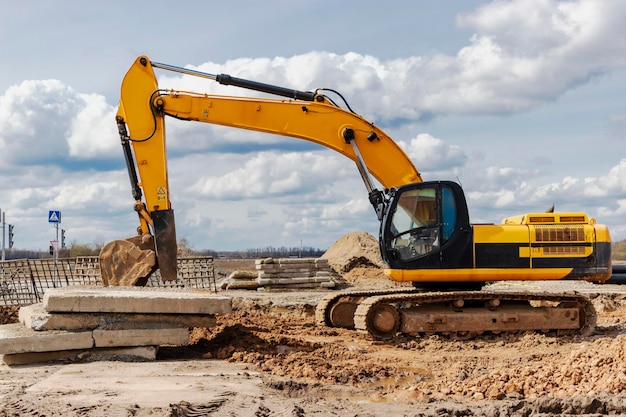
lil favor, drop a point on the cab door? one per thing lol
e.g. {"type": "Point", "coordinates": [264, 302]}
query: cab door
{"type": "Point", "coordinates": [425, 226]}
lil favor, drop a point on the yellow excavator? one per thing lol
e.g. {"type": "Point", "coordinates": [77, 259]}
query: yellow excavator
{"type": "Point", "coordinates": [425, 238]}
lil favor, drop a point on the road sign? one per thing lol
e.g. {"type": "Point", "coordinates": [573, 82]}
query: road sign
{"type": "Point", "coordinates": [54, 216]}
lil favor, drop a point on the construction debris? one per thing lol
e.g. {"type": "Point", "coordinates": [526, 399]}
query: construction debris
{"type": "Point", "coordinates": [241, 280]}
{"type": "Point", "coordinates": [294, 273]}
{"type": "Point", "coordinates": [107, 323]}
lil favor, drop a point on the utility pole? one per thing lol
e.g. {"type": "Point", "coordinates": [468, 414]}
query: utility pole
{"type": "Point", "coordinates": [2, 264]}
{"type": "Point", "coordinates": [3, 234]}
{"type": "Point", "coordinates": [11, 236]}
{"type": "Point", "coordinates": [54, 216]}
{"type": "Point", "coordinates": [56, 255]}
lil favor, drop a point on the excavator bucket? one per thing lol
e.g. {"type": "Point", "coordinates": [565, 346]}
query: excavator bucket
{"type": "Point", "coordinates": [166, 247]}
{"type": "Point", "coordinates": [128, 262]}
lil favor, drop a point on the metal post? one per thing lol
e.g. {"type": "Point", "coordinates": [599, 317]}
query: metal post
{"type": "Point", "coordinates": [2, 265]}
{"type": "Point", "coordinates": [56, 255]}
{"type": "Point", "coordinates": [3, 255]}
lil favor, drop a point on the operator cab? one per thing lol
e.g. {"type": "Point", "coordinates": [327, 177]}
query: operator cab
{"type": "Point", "coordinates": [426, 225]}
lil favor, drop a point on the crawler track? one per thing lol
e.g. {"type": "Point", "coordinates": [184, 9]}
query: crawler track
{"type": "Point", "coordinates": [328, 305]}
{"type": "Point", "coordinates": [461, 314]}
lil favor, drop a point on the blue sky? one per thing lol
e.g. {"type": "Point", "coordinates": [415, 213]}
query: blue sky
{"type": "Point", "coordinates": [522, 102]}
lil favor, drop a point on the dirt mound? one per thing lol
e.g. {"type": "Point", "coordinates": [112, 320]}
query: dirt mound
{"type": "Point", "coordinates": [510, 367]}
{"type": "Point", "coordinates": [9, 314]}
{"type": "Point", "coordinates": [355, 249]}
{"type": "Point", "coordinates": [281, 363]}
{"type": "Point", "coordinates": [372, 278]}
{"type": "Point", "coordinates": [356, 257]}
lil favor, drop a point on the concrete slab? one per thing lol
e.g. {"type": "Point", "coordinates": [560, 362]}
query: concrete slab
{"type": "Point", "coordinates": [129, 386]}
{"type": "Point", "coordinates": [134, 300]}
{"type": "Point", "coordinates": [281, 281]}
{"type": "Point", "coordinates": [38, 318]}
{"type": "Point", "coordinates": [126, 354]}
{"type": "Point", "coordinates": [16, 338]}
{"type": "Point", "coordinates": [141, 337]}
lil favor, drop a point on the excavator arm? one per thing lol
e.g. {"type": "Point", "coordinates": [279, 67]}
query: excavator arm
{"type": "Point", "coordinates": [301, 114]}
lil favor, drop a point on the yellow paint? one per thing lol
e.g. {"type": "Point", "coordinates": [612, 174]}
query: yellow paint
{"type": "Point", "coordinates": [497, 233]}
{"type": "Point", "coordinates": [477, 274]}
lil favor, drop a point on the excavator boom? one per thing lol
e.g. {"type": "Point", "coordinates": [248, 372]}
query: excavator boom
{"type": "Point", "coordinates": [306, 115]}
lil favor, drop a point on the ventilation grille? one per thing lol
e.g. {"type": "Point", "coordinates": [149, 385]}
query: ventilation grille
{"type": "Point", "coordinates": [559, 234]}
{"type": "Point", "coordinates": [564, 250]}
{"type": "Point", "coordinates": [551, 219]}
{"type": "Point", "coordinates": [541, 219]}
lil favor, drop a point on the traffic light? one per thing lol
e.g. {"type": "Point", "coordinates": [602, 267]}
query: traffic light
{"type": "Point", "coordinates": [11, 236]}
{"type": "Point", "coordinates": [62, 238]}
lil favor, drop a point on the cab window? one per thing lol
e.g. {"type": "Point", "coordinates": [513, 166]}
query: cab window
{"type": "Point", "coordinates": [414, 223]}
{"type": "Point", "coordinates": [448, 213]}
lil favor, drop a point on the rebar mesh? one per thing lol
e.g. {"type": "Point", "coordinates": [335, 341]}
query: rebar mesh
{"type": "Point", "coordinates": [24, 281]}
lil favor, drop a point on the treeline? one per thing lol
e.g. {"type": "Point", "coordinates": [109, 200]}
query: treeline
{"type": "Point", "coordinates": [618, 251]}
{"type": "Point", "coordinates": [72, 251]}
{"type": "Point", "coordinates": [24, 254]}
{"type": "Point", "coordinates": [75, 250]}
{"type": "Point", "coordinates": [268, 252]}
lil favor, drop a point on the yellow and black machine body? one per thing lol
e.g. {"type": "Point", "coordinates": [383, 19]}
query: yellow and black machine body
{"type": "Point", "coordinates": [426, 236]}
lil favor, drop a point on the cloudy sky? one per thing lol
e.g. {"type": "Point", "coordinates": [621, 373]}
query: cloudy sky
{"type": "Point", "coordinates": [522, 102]}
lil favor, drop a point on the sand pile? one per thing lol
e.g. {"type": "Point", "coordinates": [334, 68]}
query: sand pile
{"type": "Point", "coordinates": [355, 249]}
{"type": "Point", "coordinates": [356, 257]}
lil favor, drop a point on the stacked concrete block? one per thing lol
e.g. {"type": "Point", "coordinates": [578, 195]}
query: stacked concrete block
{"type": "Point", "coordinates": [78, 323]}
{"type": "Point", "coordinates": [294, 273]}
{"type": "Point", "coordinates": [241, 280]}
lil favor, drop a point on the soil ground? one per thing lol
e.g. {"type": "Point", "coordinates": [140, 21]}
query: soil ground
{"type": "Point", "coordinates": [268, 358]}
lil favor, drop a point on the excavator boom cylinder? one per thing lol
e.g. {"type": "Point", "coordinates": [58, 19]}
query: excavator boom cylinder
{"type": "Point", "coordinates": [241, 82]}
{"type": "Point", "coordinates": [265, 88]}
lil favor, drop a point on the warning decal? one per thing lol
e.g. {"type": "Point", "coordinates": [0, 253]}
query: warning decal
{"type": "Point", "coordinates": [161, 194]}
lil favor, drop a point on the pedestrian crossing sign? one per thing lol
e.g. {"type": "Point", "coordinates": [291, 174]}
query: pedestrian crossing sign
{"type": "Point", "coordinates": [54, 216]}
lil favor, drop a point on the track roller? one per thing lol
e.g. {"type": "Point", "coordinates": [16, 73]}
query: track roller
{"type": "Point", "coordinates": [383, 321]}
{"type": "Point", "coordinates": [341, 314]}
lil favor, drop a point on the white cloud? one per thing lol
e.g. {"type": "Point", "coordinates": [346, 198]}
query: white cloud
{"type": "Point", "coordinates": [525, 52]}
{"type": "Point", "coordinates": [346, 209]}
{"type": "Point", "coordinates": [601, 197]}
{"type": "Point", "coordinates": [522, 54]}
{"type": "Point", "coordinates": [34, 121]}
{"type": "Point", "coordinates": [231, 186]}
{"type": "Point", "coordinates": [93, 133]}
{"type": "Point", "coordinates": [48, 122]}
{"type": "Point", "coordinates": [433, 154]}
{"type": "Point", "coordinates": [272, 174]}
{"type": "Point", "coordinates": [94, 205]}
{"type": "Point", "coordinates": [607, 187]}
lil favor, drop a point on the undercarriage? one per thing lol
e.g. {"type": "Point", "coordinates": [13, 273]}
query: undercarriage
{"type": "Point", "coordinates": [458, 314]}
